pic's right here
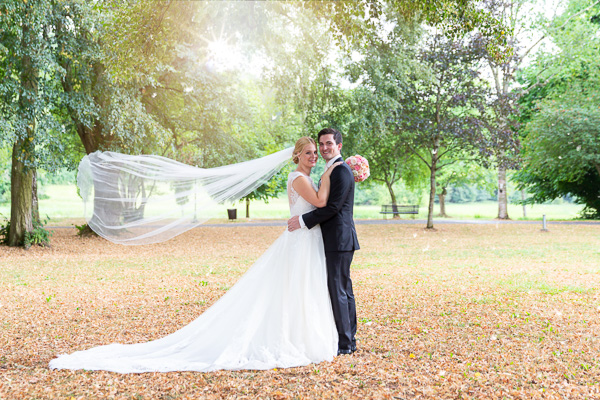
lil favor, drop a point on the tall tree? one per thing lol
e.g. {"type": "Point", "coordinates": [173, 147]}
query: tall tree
{"type": "Point", "coordinates": [381, 70]}
{"type": "Point", "coordinates": [27, 73]}
{"type": "Point", "coordinates": [525, 31]}
{"type": "Point", "coordinates": [561, 153]}
{"type": "Point", "coordinates": [445, 108]}
{"type": "Point", "coordinates": [561, 145]}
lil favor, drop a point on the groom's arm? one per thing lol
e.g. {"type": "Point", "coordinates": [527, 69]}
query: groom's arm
{"type": "Point", "coordinates": [341, 184]}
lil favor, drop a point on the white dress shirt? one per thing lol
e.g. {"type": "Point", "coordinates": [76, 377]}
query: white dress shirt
{"type": "Point", "coordinates": [329, 164]}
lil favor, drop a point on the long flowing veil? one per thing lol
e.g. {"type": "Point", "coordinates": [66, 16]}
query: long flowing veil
{"type": "Point", "coordinates": [147, 199]}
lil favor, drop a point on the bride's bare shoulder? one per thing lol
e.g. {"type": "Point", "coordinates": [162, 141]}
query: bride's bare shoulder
{"type": "Point", "coordinates": [292, 176]}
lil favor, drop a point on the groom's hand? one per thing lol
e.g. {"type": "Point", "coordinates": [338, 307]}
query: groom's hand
{"type": "Point", "coordinates": [293, 223]}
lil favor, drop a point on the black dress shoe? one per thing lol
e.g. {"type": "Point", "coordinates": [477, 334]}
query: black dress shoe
{"type": "Point", "coordinates": [353, 348]}
{"type": "Point", "coordinates": [344, 351]}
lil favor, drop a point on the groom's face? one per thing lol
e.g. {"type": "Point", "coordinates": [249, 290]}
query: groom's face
{"type": "Point", "coordinates": [328, 148]}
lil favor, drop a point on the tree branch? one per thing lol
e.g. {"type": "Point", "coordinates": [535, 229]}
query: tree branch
{"type": "Point", "coordinates": [558, 28]}
{"type": "Point", "coordinates": [539, 83]}
{"type": "Point", "coordinates": [418, 155]}
{"type": "Point", "coordinates": [456, 160]}
{"type": "Point", "coordinates": [448, 150]}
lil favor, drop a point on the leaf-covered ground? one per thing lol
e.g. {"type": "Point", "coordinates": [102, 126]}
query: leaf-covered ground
{"type": "Point", "coordinates": [467, 311]}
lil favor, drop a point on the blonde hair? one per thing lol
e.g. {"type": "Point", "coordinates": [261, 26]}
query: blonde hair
{"type": "Point", "coordinates": [300, 145]}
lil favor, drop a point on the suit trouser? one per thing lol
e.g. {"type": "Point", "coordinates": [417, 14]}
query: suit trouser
{"type": "Point", "coordinates": [342, 296]}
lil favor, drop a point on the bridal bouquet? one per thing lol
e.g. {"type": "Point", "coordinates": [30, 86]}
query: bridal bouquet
{"type": "Point", "coordinates": [359, 166]}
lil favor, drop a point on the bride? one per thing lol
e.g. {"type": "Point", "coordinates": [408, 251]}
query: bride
{"type": "Point", "coordinates": [277, 315]}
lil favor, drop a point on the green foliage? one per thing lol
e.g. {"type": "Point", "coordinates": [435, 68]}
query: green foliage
{"type": "Point", "coordinates": [272, 188]}
{"type": "Point", "coordinates": [468, 193]}
{"type": "Point", "coordinates": [444, 110]}
{"type": "Point", "coordinates": [351, 21]}
{"type": "Point", "coordinates": [377, 194]}
{"type": "Point", "coordinates": [462, 175]}
{"type": "Point", "coordinates": [100, 111]}
{"type": "Point", "coordinates": [543, 189]}
{"type": "Point", "coordinates": [213, 110]}
{"type": "Point", "coordinates": [81, 229]}
{"type": "Point", "coordinates": [561, 138]}
{"type": "Point", "coordinates": [445, 104]}
{"type": "Point", "coordinates": [38, 236]}
{"type": "Point", "coordinates": [60, 176]}
{"type": "Point", "coordinates": [5, 165]}
{"type": "Point", "coordinates": [29, 74]}
{"type": "Point", "coordinates": [365, 114]}
{"type": "Point", "coordinates": [4, 188]}
{"type": "Point", "coordinates": [4, 230]}
{"type": "Point", "coordinates": [383, 72]}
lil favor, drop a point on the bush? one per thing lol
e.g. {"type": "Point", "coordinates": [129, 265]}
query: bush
{"type": "Point", "coordinates": [468, 194]}
{"type": "Point", "coordinates": [4, 187]}
{"type": "Point", "coordinates": [4, 229]}
{"type": "Point", "coordinates": [370, 194]}
{"type": "Point", "coordinates": [461, 194]}
{"type": "Point", "coordinates": [38, 236]}
{"type": "Point", "coordinates": [60, 177]}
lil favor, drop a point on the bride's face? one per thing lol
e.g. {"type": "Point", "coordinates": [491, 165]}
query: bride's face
{"type": "Point", "coordinates": [309, 156]}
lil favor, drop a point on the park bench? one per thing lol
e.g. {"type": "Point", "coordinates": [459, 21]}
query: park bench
{"type": "Point", "coordinates": [398, 209]}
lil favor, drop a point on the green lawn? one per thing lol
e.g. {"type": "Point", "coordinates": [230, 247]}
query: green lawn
{"type": "Point", "coordinates": [64, 203]}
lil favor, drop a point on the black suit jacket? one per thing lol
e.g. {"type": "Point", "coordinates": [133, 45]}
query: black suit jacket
{"type": "Point", "coordinates": [336, 218]}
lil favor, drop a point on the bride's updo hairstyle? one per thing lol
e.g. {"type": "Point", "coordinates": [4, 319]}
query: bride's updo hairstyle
{"type": "Point", "coordinates": [300, 145]}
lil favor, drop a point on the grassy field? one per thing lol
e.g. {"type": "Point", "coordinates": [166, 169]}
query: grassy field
{"type": "Point", "coordinates": [466, 311]}
{"type": "Point", "coordinates": [64, 203]}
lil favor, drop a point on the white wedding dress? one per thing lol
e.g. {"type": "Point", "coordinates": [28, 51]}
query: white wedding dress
{"type": "Point", "coordinates": [277, 315]}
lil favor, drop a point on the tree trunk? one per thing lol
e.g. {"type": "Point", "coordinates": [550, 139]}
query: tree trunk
{"type": "Point", "coordinates": [21, 182]}
{"type": "Point", "coordinates": [524, 205]}
{"type": "Point", "coordinates": [247, 207]}
{"type": "Point", "coordinates": [22, 172]}
{"type": "Point", "coordinates": [431, 196]}
{"type": "Point", "coordinates": [393, 198]}
{"type": "Point", "coordinates": [502, 195]}
{"type": "Point", "coordinates": [442, 198]}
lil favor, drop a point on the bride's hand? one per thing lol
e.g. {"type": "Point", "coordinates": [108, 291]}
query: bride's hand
{"type": "Point", "coordinates": [328, 171]}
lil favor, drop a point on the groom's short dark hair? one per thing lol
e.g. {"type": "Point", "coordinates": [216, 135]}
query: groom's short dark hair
{"type": "Point", "coordinates": [337, 136]}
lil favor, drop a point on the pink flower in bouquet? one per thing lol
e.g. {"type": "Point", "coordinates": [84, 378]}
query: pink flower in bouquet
{"type": "Point", "coordinates": [359, 166]}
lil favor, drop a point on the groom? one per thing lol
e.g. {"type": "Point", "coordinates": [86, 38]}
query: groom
{"type": "Point", "coordinates": [339, 237]}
